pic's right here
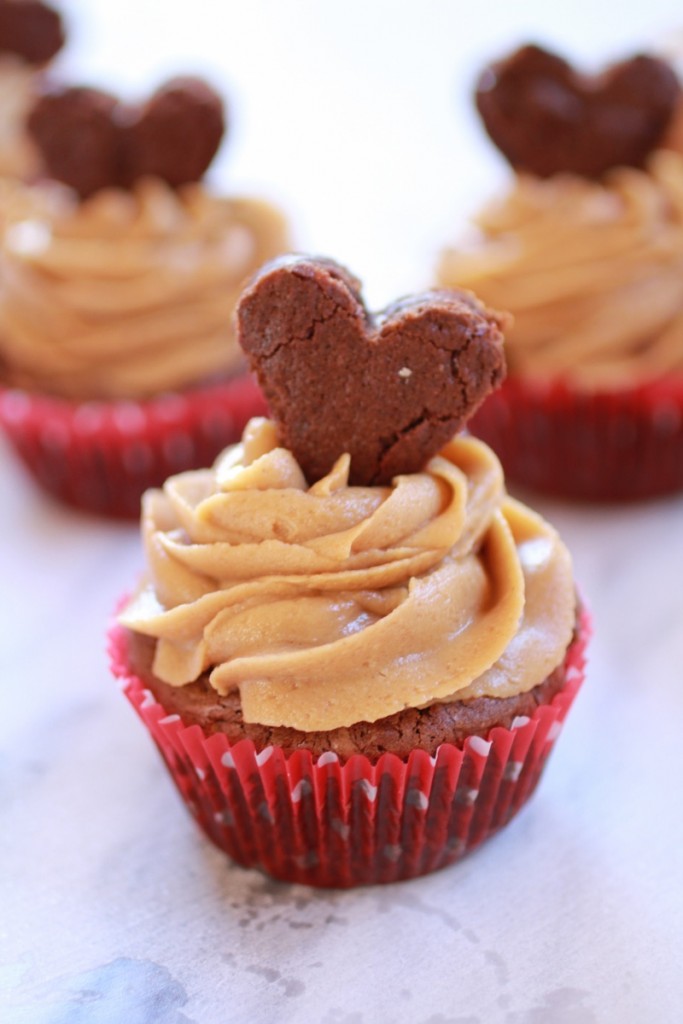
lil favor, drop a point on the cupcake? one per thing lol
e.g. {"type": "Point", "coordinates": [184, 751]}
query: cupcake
{"type": "Point", "coordinates": [119, 274]}
{"type": "Point", "coordinates": [585, 250]}
{"type": "Point", "coordinates": [353, 650]}
{"type": "Point", "coordinates": [31, 35]}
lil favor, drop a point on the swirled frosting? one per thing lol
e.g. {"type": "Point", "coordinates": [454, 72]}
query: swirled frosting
{"type": "Point", "coordinates": [592, 273]}
{"type": "Point", "coordinates": [326, 605]}
{"type": "Point", "coordinates": [128, 293]}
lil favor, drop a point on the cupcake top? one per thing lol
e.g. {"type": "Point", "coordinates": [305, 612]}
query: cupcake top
{"type": "Point", "coordinates": [586, 248]}
{"type": "Point", "coordinates": [328, 597]}
{"type": "Point", "coordinates": [31, 35]}
{"type": "Point", "coordinates": [120, 270]}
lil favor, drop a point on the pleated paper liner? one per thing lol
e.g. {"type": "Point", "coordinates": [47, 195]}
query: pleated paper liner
{"type": "Point", "coordinates": [313, 819]}
{"type": "Point", "coordinates": [101, 456]}
{"type": "Point", "coordinates": [604, 446]}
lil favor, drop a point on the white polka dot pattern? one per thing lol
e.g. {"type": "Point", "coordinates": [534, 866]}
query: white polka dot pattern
{"type": "Point", "coordinates": [330, 823]}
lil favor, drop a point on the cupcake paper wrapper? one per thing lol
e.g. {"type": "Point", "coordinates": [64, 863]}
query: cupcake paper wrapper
{"type": "Point", "coordinates": [316, 820]}
{"type": "Point", "coordinates": [604, 446]}
{"type": "Point", "coordinates": [101, 456]}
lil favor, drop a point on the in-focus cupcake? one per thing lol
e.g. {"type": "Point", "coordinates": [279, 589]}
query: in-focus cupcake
{"type": "Point", "coordinates": [585, 251]}
{"type": "Point", "coordinates": [119, 274]}
{"type": "Point", "coordinates": [31, 35]}
{"type": "Point", "coordinates": [352, 649]}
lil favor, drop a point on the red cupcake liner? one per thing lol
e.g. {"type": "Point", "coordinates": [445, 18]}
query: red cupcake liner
{"type": "Point", "coordinates": [313, 819]}
{"type": "Point", "coordinates": [602, 446]}
{"type": "Point", "coordinates": [100, 456]}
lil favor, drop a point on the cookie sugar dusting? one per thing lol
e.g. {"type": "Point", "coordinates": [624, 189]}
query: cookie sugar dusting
{"type": "Point", "coordinates": [390, 389]}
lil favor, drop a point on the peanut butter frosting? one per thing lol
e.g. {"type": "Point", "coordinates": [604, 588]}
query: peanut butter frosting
{"type": "Point", "coordinates": [126, 294]}
{"type": "Point", "coordinates": [329, 604]}
{"type": "Point", "coordinates": [18, 157]}
{"type": "Point", "coordinates": [592, 273]}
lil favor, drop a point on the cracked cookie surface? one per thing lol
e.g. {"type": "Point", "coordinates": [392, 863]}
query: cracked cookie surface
{"type": "Point", "coordinates": [389, 389]}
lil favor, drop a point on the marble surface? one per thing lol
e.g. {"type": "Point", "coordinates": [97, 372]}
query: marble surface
{"type": "Point", "coordinates": [113, 907]}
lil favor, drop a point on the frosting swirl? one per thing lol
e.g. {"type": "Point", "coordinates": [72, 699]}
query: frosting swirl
{"type": "Point", "coordinates": [592, 273]}
{"type": "Point", "coordinates": [128, 293]}
{"type": "Point", "coordinates": [326, 605]}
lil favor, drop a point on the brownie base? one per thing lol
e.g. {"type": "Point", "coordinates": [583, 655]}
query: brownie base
{"type": "Point", "coordinates": [422, 728]}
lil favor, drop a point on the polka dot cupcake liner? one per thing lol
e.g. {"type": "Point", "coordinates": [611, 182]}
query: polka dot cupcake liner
{"type": "Point", "coordinates": [101, 456]}
{"type": "Point", "coordinates": [605, 446]}
{"type": "Point", "coordinates": [315, 820]}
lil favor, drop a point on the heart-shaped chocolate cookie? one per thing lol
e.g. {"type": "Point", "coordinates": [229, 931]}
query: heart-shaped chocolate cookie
{"type": "Point", "coordinates": [390, 389]}
{"type": "Point", "coordinates": [30, 29]}
{"type": "Point", "coordinates": [90, 140]}
{"type": "Point", "coordinates": [546, 118]}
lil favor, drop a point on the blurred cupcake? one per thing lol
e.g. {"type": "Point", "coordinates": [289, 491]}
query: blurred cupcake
{"type": "Point", "coordinates": [31, 34]}
{"type": "Point", "coordinates": [585, 251]}
{"type": "Point", "coordinates": [354, 654]}
{"type": "Point", "coordinates": [119, 273]}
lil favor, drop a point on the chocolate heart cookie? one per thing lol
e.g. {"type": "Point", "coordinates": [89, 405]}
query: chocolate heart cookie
{"type": "Point", "coordinates": [390, 389]}
{"type": "Point", "coordinates": [547, 118]}
{"type": "Point", "coordinates": [30, 29]}
{"type": "Point", "coordinates": [90, 140]}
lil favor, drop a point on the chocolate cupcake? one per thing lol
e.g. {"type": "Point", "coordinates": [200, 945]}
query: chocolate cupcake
{"type": "Point", "coordinates": [31, 36]}
{"type": "Point", "coordinates": [354, 660]}
{"type": "Point", "coordinates": [585, 250]}
{"type": "Point", "coordinates": [119, 274]}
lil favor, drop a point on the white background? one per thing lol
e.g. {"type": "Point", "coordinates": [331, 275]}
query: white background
{"type": "Point", "coordinates": [356, 117]}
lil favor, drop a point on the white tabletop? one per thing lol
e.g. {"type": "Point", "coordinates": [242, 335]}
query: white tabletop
{"type": "Point", "coordinates": [113, 908]}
